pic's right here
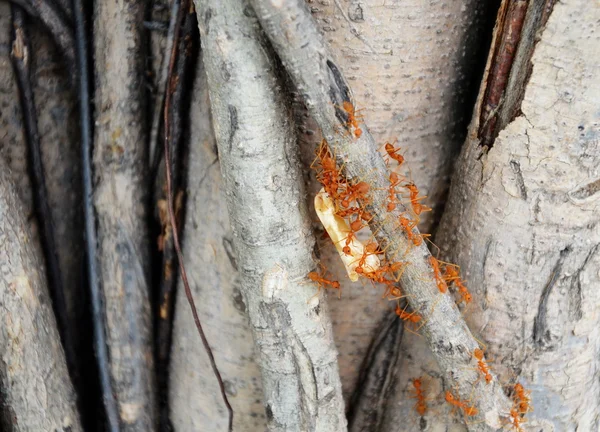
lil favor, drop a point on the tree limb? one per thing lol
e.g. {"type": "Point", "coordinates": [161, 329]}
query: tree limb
{"type": "Point", "coordinates": [37, 393]}
{"type": "Point", "coordinates": [272, 234]}
{"type": "Point", "coordinates": [313, 71]}
{"type": "Point", "coordinates": [121, 198]}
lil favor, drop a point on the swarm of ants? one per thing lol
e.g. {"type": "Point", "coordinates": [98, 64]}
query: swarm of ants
{"type": "Point", "coordinates": [348, 202]}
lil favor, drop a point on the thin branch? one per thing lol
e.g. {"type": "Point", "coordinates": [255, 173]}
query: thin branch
{"type": "Point", "coordinates": [100, 347]}
{"type": "Point", "coordinates": [21, 59]}
{"type": "Point", "coordinates": [167, 156]}
{"type": "Point", "coordinates": [313, 70]}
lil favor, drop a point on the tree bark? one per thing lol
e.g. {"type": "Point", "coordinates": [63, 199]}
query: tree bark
{"type": "Point", "coordinates": [272, 235]}
{"type": "Point", "coordinates": [37, 393]}
{"type": "Point", "coordinates": [121, 201]}
{"type": "Point", "coordinates": [522, 222]}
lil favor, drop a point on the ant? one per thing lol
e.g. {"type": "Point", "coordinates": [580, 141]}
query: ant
{"type": "Point", "coordinates": [466, 409]}
{"type": "Point", "coordinates": [352, 119]}
{"type": "Point", "coordinates": [408, 226]}
{"type": "Point", "coordinates": [451, 274]}
{"type": "Point", "coordinates": [356, 192]}
{"type": "Point", "coordinates": [437, 274]}
{"type": "Point", "coordinates": [412, 317]}
{"type": "Point", "coordinates": [393, 153]}
{"type": "Point", "coordinates": [394, 181]}
{"type": "Point", "coordinates": [418, 208]}
{"type": "Point", "coordinates": [516, 419]}
{"type": "Point", "coordinates": [522, 399]}
{"type": "Point", "coordinates": [420, 406]}
{"type": "Point", "coordinates": [482, 365]}
{"type": "Point", "coordinates": [323, 282]}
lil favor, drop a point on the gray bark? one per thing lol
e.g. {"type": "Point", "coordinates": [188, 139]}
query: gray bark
{"type": "Point", "coordinates": [523, 221]}
{"type": "Point", "coordinates": [324, 89]}
{"type": "Point", "coordinates": [37, 393]}
{"type": "Point", "coordinates": [272, 235]}
{"type": "Point", "coordinates": [120, 199]}
{"type": "Point", "coordinates": [216, 285]}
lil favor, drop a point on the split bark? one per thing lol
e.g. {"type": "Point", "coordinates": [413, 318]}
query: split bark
{"type": "Point", "coordinates": [324, 89]}
{"type": "Point", "coordinates": [195, 402]}
{"type": "Point", "coordinates": [121, 200]}
{"type": "Point", "coordinates": [522, 222]}
{"type": "Point", "coordinates": [272, 235]}
{"type": "Point", "coordinates": [37, 393]}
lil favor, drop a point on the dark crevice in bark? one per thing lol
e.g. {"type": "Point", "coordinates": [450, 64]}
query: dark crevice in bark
{"type": "Point", "coordinates": [520, 23]}
{"type": "Point", "coordinates": [85, 78]}
{"type": "Point", "coordinates": [182, 78]}
{"type": "Point", "coordinates": [369, 400]}
{"type": "Point", "coordinates": [476, 42]}
{"type": "Point", "coordinates": [541, 337]}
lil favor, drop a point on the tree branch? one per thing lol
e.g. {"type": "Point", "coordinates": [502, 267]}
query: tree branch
{"type": "Point", "coordinates": [273, 238]}
{"type": "Point", "coordinates": [37, 393]}
{"type": "Point", "coordinates": [314, 72]}
{"type": "Point", "coordinates": [121, 200]}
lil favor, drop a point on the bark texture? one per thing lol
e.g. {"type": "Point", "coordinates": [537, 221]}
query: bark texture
{"type": "Point", "coordinates": [319, 80]}
{"type": "Point", "coordinates": [271, 230]}
{"type": "Point", "coordinates": [37, 393]}
{"type": "Point", "coordinates": [120, 199]}
{"type": "Point", "coordinates": [212, 268]}
{"type": "Point", "coordinates": [523, 223]}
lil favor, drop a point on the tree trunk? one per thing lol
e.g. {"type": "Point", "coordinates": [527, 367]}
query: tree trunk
{"type": "Point", "coordinates": [522, 222]}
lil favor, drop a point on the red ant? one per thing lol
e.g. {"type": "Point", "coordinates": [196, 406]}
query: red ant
{"type": "Point", "coordinates": [394, 181]}
{"type": "Point", "coordinates": [522, 399]}
{"type": "Point", "coordinates": [323, 282]}
{"type": "Point", "coordinates": [451, 275]}
{"type": "Point", "coordinates": [482, 365]}
{"type": "Point", "coordinates": [412, 317]}
{"type": "Point", "coordinates": [420, 406]}
{"type": "Point", "coordinates": [418, 208]}
{"type": "Point", "coordinates": [356, 192]}
{"type": "Point", "coordinates": [393, 153]}
{"type": "Point", "coordinates": [466, 409]}
{"type": "Point", "coordinates": [352, 119]}
{"type": "Point", "coordinates": [408, 226]}
{"type": "Point", "coordinates": [437, 275]}
{"type": "Point", "coordinates": [516, 419]}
